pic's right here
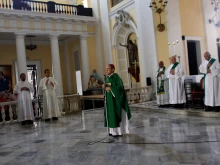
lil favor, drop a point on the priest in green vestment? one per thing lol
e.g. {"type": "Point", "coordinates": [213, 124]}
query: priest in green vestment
{"type": "Point", "coordinates": [116, 103]}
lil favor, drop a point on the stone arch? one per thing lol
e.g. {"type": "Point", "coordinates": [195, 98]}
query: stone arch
{"type": "Point", "coordinates": [120, 35]}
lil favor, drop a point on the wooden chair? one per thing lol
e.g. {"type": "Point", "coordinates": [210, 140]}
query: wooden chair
{"type": "Point", "coordinates": [198, 93]}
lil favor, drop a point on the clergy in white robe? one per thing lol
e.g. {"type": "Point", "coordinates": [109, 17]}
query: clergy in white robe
{"type": "Point", "coordinates": [210, 68]}
{"type": "Point", "coordinates": [162, 91]}
{"type": "Point", "coordinates": [47, 88]}
{"type": "Point", "coordinates": [25, 108]}
{"type": "Point", "coordinates": [176, 87]}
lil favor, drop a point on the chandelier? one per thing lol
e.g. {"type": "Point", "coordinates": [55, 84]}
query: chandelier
{"type": "Point", "coordinates": [159, 7]}
{"type": "Point", "coordinates": [31, 46]}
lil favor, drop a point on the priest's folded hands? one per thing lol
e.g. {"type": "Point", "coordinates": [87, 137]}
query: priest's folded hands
{"type": "Point", "coordinates": [172, 71]}
{"type": "Point", "coordinates": [24, 89]}
{"type": "Point", "coordinates": [208, 71]}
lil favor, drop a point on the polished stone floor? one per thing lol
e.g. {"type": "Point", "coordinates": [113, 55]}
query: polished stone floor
{"type": "Point", "coordinates": [155, 139]}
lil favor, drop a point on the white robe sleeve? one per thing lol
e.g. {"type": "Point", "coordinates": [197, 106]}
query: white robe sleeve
{"type": "Point", "coordinates": [55, 84]}
{"type": "Point", "coordinates": [167, 72]}
{"type": "Point", "coordinates": [42, 85]}
{"type": "Point", "coordinates": [31, 88]}
{"type": "Point", "coordinates": [215, 68]}
{"type": "Point", "coordinates": [203, 68]}
{"type": "Point", "coordinates": [155, 75]}
{"type": "Point", "coordinates": [17, 89]}
{"type": "Point", "coordinates": [179, 71]}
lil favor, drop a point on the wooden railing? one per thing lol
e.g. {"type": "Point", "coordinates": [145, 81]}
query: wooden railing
{"type": "Point", "coordinates": [68, 104]}
{"type": "Point", "coordinates": [45, 7]}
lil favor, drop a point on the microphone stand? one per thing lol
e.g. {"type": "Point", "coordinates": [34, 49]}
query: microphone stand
{"type": "Point", "coordinates": [109, 140]}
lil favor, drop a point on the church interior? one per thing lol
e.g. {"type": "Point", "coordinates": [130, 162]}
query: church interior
{"type": "Point", "coordinates": [76, 40]}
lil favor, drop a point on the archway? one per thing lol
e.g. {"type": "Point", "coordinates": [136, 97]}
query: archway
{"type": "Point", "coordinates": [122, 34]}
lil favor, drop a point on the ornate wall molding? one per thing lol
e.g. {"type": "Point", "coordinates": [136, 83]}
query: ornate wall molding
{"type": "Point", "coordinates": [122, 18]}
{"type": "Point", "coordinates": [43, 23]}
{"type": "Point", "coordinates": [126, 7]}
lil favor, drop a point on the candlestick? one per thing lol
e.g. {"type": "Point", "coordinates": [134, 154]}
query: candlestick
{"type": "Point", "coordinates": [177, 48]}
{"type": "Point", "coordinates": [174, 48]}
{"type": "Point", "coordinates": [169, 49]}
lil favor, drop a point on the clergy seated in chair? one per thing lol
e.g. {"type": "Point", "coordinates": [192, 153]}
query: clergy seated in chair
{"type": "Point", "coordinates": [93, 83]}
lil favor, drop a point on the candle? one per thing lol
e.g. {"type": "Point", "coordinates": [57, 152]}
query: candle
{"type": "Point", "coordinates": [177, 48]}
{"type": "Point", "coordinates": [174, 48]}
{"type": "Point", "coordinates": [169, 49]}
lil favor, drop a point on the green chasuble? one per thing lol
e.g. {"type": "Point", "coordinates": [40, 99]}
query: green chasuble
{"type": "Point", "coordinates": [116, 100]}
{"type": "Point", "coordinates": [160, 88]}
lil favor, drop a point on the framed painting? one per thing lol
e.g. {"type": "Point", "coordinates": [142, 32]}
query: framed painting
{"type": "Point", "coordinates": [6, 75]}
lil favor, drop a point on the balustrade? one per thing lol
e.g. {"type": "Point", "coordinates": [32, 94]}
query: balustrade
{"type": "Point", "coordinates": [45, 7]}
{"type": "Point", "coordinates": [67, 104]}
{"type": "Point", "coordinates": [137, 95]}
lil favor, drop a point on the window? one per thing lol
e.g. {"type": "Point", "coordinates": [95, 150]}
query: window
{"type": "Point", "coordinates": [115, 2]}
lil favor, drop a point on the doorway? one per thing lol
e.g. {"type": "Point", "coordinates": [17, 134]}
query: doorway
{"type": "Point", "coordinates": [193, 56]}
{"type": "Point", "coordinates": [32, 78]}
{"type": "Point", "coordinates": [78, 72]}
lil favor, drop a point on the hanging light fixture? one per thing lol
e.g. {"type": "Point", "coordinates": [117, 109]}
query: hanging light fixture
{"type": "Point", "coordinates": [159, 7]}
{"type": "Point", "coordinates": [31, 46]}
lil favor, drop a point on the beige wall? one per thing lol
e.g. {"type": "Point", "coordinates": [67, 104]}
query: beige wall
{"type": "Point", "coordinates": [161, 40]}
{"type": "Point", "coordinates": [42, 53]}
{"type": "Point", "coordinates": [191, 17]}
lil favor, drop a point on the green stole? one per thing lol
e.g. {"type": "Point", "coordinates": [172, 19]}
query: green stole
{"type": "Point", "coordinates": [160, 89]}
{"type": "Point", "coordinates": [211, 62]}
{"type": "Point", "coordinates": [174, 65]}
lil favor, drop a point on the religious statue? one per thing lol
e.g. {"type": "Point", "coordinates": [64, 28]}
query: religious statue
{"type": "Point", "coordinates": [97, 77]}
{"type": "Point", "coordinates": [93, 83]}
{"type": "Point", "coordinates": [132, 52]}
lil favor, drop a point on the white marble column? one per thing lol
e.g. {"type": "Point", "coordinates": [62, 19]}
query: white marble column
{"type": "Point", "coordinates": [84, 62]}
{"type": "Point", "coordinates": [210, 29]}
{"type": "Point", "coordinates": [174, 29]}
{"type": "Point", "coordinates": [95, 9]}
{"type": "Point", "coordinates": [21, 53]}
{"type": "Point", "coordinates": [146, 41]}
{"type": "Point", "coordinates": [106, 31]}
{"type": "Point", "coordinates": [67, 68]}
{"type": "Point", "coordinates": [55, 54]}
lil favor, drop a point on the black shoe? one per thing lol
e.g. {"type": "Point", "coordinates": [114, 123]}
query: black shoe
{"type": "Point", "coordinates": [29, 121]}
{"type": "Point", "coordinates": [46, 120]}
{"type": "Point", "coordinates": [117, 135]}
{"type": "Point", "coordinates": [110, 134]}
{"type": "Point", "coordinates": [54, 118]}
{"type": "Point", "coordinates": [23, 123]}
{"type": "Point", "coordinates": [208, 109]}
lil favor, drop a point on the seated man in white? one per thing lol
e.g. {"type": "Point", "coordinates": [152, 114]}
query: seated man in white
{"type": "Point", "coordinates": [25, 108]}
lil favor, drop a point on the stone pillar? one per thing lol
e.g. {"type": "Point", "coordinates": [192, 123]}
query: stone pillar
{"type": "Point", "coordinates": [210, 29]}
{"type": "Point", "coordinates": [67, 68]}
{"type": "Point", "coordinates": [21, 54]}
{"type": "Point", "coordinates": [56, 68]}
{"type": "Point", "coordinates": [84, 62]}
{"type": "Point", "coordinates": [146, 41]}
{"type": "Point", "coordinates": [106, 31]}
{"type": "Point", "coordinates": [95, 9]}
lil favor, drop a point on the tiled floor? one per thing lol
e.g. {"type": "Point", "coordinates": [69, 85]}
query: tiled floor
{"type": "Point", "coordinates": [155, 139]}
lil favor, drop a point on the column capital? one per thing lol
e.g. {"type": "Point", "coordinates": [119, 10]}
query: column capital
{"type": "Point", "coordinates": [83, 37]}
{"type": "Point", "coordinates": [54, 36]}
{"type": "Point", "coordinates": [20, 35]}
